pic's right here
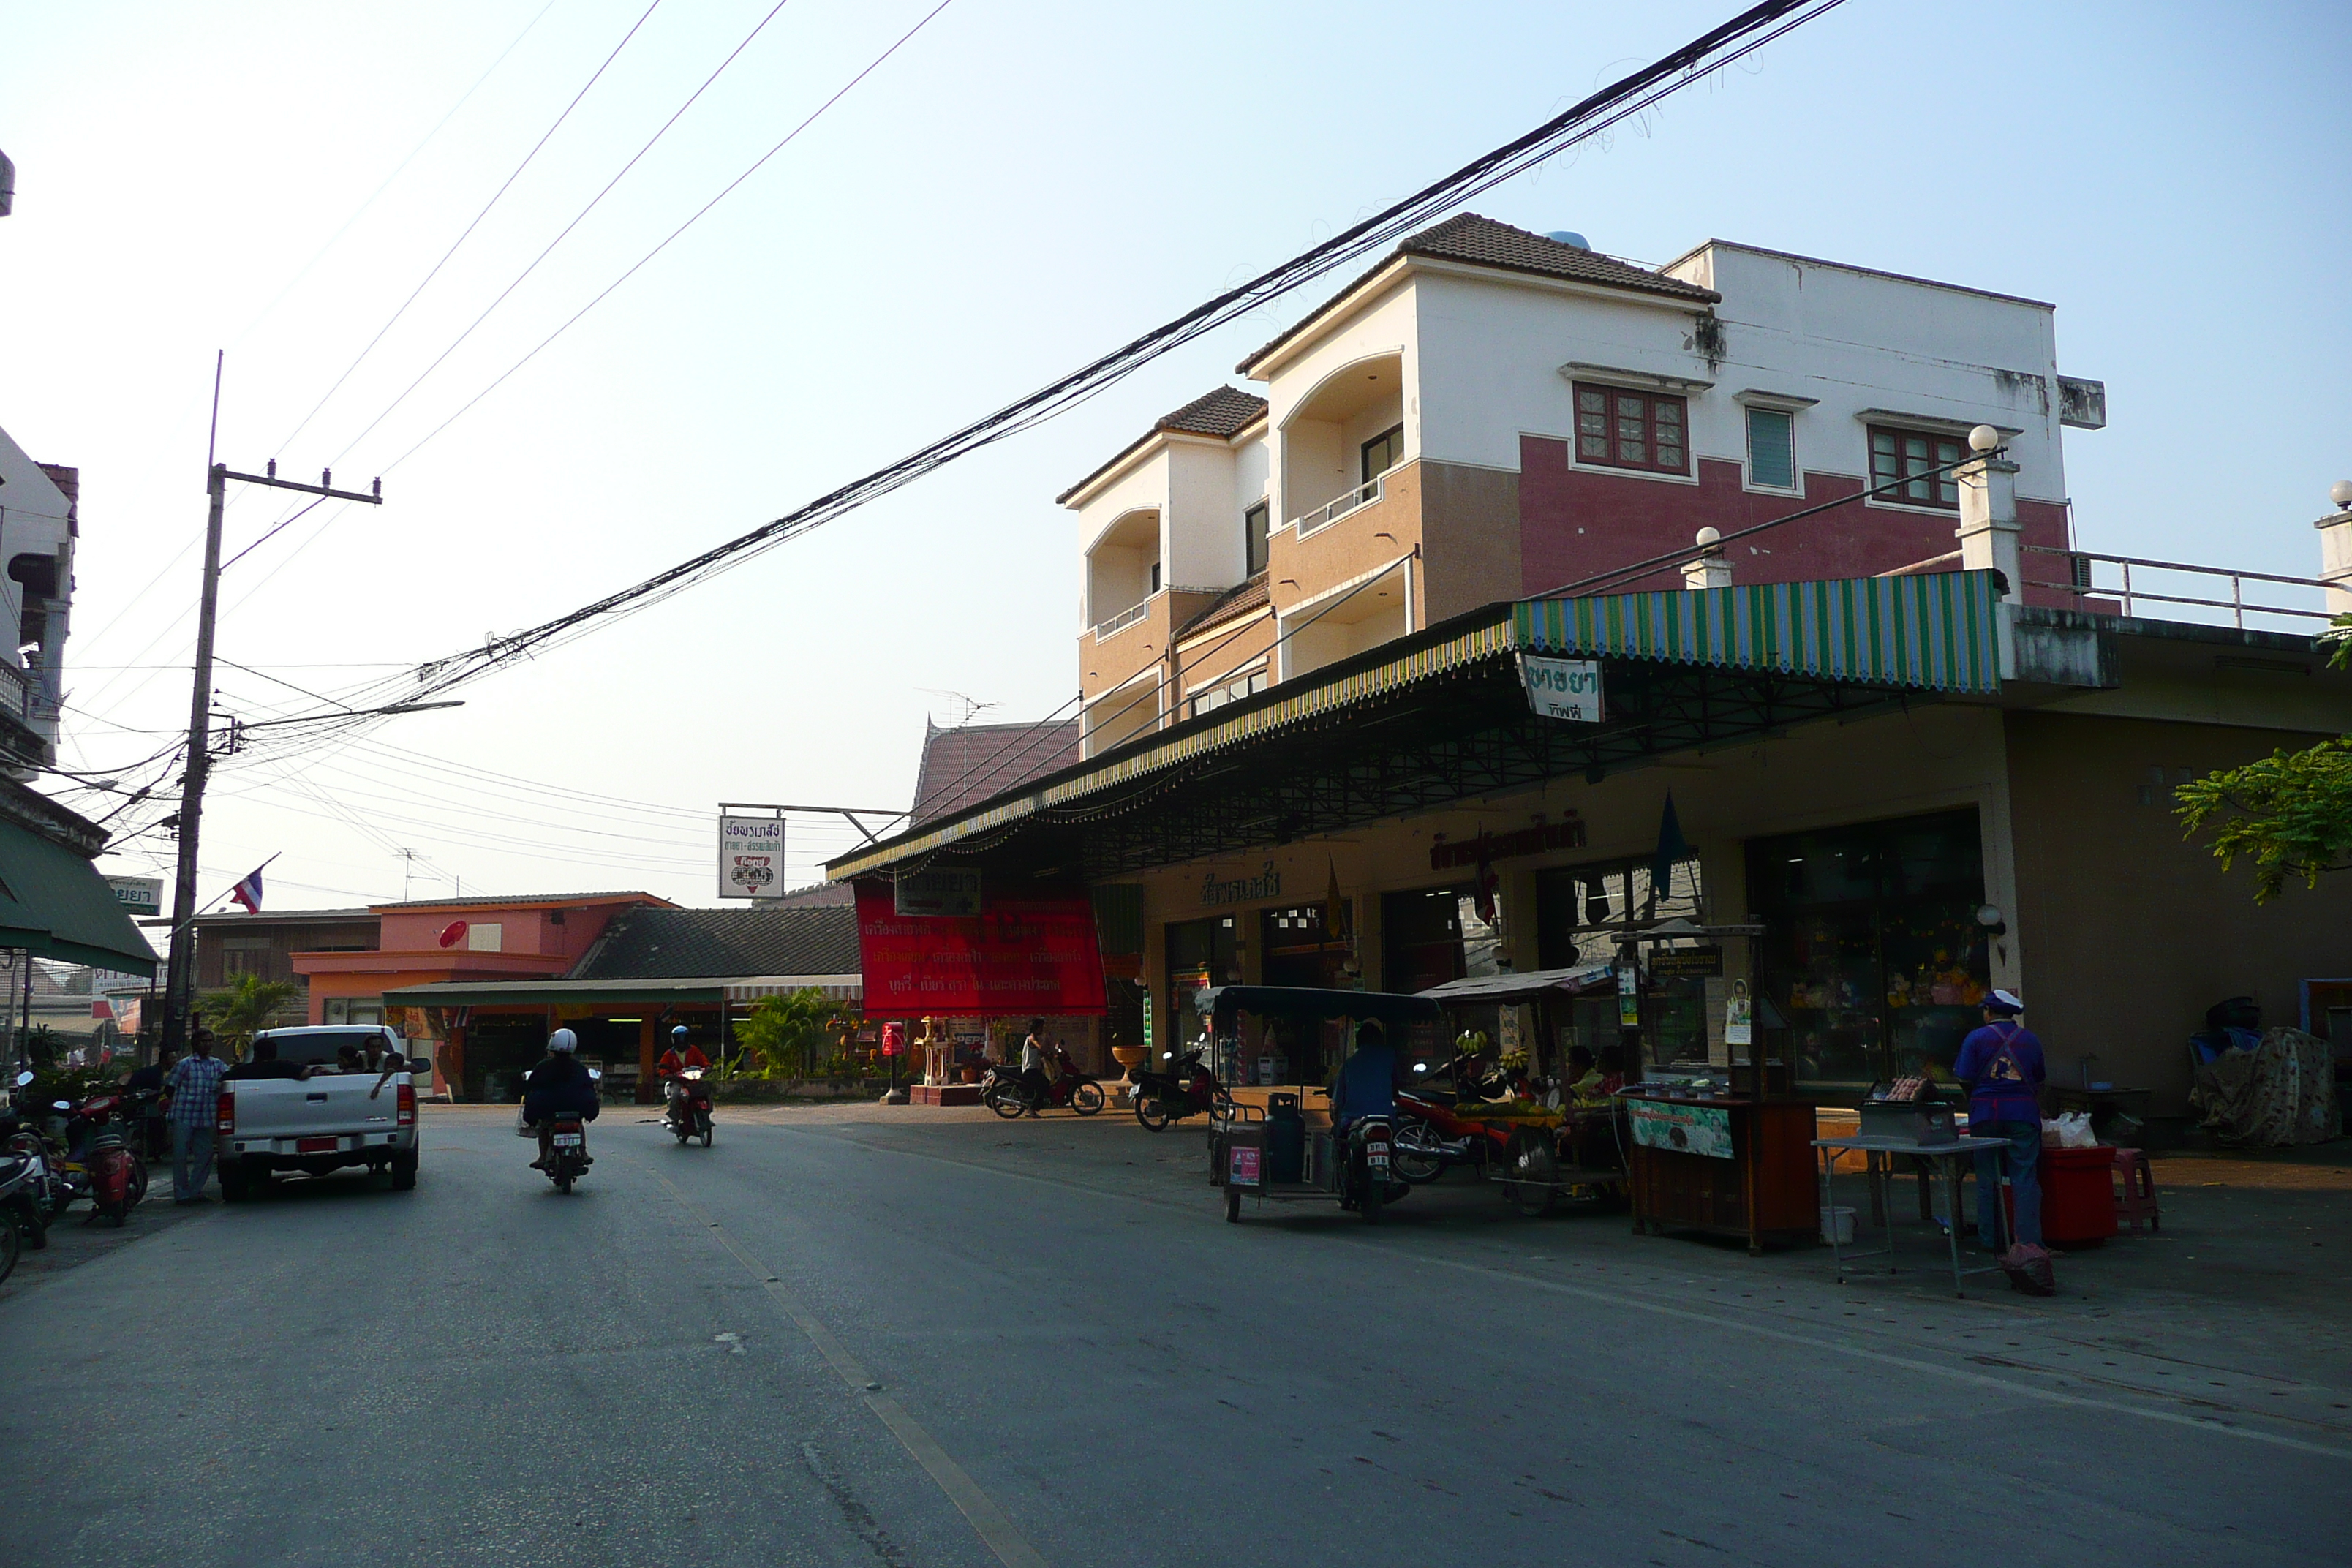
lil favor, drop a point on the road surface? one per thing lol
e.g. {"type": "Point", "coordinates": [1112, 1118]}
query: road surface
{"type": "Point", "coordinates": [950, 1342]}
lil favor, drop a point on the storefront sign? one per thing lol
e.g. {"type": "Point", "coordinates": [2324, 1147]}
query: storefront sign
{"type": "Point", "coordinates": [1146, 1027]}
{"type": "Point", "coordinates": [936, 895]}
{"type": "Point", "coordinates": [751, 856]}
{"type": "Point", "coordinates": [1563, 687]}
{"type": "Point", "coordinates": [1025, 955]}
{"type": "Point", "coordinates": [1686, 962]}
{"type": "Point", "coordinates": [138, 895]}
{"type": "Point", "coordinates": [1487, 847]}
{"type": "Point", "coordinates": [1685, 1129]}
{"type": "Point", "coordinates": [1266, 884]}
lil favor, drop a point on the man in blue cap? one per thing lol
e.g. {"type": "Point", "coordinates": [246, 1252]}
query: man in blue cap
{"type": "Point", "coordinates": [2001, 1066]}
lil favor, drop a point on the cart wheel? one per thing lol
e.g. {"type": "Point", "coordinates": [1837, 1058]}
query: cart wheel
{"type": "Point", "coordinates": [1232, 1205]}
{"type": "Point", "coordinates": [1534, 1168]}
{"type": "Point", "coordinates": [1086, 1099]}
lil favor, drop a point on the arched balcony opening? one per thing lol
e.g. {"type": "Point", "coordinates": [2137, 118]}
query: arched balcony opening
{"type": "Point", "coordinates": [1341, 438]}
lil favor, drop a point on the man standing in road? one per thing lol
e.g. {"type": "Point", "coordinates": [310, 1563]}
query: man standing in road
{"type": "Point", "coordinates": [193, 1087]}
{"type": "Point", "coordinates": [2001, 1064]}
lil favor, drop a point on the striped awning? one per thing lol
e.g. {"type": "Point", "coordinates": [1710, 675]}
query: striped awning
{"type": "Point", "coordinates": [1933, 633]}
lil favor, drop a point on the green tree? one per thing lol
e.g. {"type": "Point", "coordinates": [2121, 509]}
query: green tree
{"type": "Point", "coordinates": [243, 1008]}
{"type": "Point", "coordinates": [788, 1033]}
{"type": "Point", "coordinates": [2289, 814]}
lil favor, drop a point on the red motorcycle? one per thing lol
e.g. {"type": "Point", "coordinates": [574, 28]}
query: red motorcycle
{"type": "Point", "coordinates": [111, 1174]}
{"type": "Point", "coordinates": [1186, 1089]}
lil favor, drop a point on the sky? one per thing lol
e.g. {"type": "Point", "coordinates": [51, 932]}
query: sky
{"type": "Point", "coordinates": [1012, 190]}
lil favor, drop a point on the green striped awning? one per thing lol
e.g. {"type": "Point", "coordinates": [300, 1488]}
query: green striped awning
{"type": "Point", "coordinates": [1933, 631]}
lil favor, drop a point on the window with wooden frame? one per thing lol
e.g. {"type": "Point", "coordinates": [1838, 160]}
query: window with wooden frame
{"type": "Point", "coordinates": [1382, 453]}
{"type": "Point", "coordinates": [1621, 429]}
{"type": "Point", "coordinates": [1254, 531]}
{"type": "Point", "coordinates": [1907, 458]}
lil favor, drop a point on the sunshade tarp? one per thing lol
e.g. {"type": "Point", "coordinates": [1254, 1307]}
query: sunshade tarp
{"type": "Point", "coordinates": [1523, 988]}
{"type": "Point", "coordinates": [1934, 632]}
{"type": "Point", "coordinates": [1308, 1001]}
{"type": "Point", "coordinates": [54, 903]}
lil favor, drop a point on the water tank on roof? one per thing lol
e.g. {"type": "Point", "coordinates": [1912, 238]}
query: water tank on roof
{"type": "Point", "coordinates": [1569, 237]}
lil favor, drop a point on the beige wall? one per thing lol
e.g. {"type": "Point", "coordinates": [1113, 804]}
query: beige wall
{"type": "Point", "coordinates": [2138, 931]}
{"type": "Point", "coordinates": [1470, 538]}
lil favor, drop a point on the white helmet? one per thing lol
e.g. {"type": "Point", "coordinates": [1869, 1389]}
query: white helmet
{"type": "Point", "coordinates": [563, 1040]}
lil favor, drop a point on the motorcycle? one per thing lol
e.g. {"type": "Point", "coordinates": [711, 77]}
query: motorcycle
{"type": "Point", "coordinates": [567, 1145]}
{"type": "Point", "coordinates": [13, 1169]}
{"type": "Point", "coordinates": [1187, 1088]}
{"type": "Point", "coordinates": [1369, 1180]}
{"type": "Point", "coordinates": [114, 1178]}
{"type": "Point", "coordinates": [688, 1115]}
{"type": "Point", "coordinates": [1004, 1090]}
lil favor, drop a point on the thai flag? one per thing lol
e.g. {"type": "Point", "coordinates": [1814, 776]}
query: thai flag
{"type": "Point", "coordinates": [249, 893]}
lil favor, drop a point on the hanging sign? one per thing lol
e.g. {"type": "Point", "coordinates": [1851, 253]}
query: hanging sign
{"type": "Point", "coordinates": [751, 856]}
{"type": "Point", "coordinates": [1629, 997]}
{"type": "Point", "coordinates": [937, 894]}
{"type": "Point", "coordinates": [138, 895]}
{"type": "Point", "coordinates": [1563, 687]}
{"type": "Point", "coordinates": [1686, 962]}
{"type": "Point", "coordinates": [1738, 1017]}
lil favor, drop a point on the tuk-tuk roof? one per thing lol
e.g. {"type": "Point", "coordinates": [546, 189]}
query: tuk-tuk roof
{"type": "Point", "coordinates": [1314, 1002]}
{"type": "Point", "coordinates": [1526, 987]}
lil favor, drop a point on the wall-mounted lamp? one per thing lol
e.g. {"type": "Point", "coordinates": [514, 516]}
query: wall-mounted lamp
{"type": "Point", "coordinates": [1988, 917]}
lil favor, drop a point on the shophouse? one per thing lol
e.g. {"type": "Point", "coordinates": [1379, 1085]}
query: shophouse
{"type": "Point", "coordinates": [1913, 745]}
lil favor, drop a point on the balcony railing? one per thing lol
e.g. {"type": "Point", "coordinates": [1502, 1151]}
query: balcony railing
{"type": "Point", "coordinates": [1122, 621]}
{"type": "Point", "coordinates": [15, 692]}
{"type": "Point", "coordinates": [1324, 517]}
{"type": "Point", "coordinates": [2082, 584]}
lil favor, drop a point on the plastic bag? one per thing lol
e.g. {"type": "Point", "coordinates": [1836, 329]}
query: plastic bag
{"type": "Point", "coordinates": [2070, 1131]}
{"type": "Point", "coordinates": [2029, 1269]}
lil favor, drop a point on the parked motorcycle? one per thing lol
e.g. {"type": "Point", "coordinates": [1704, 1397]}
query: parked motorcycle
{"type": "Point", "coordinates": [114, 1178]}
{"type": "Point", "coordinates": [1004, 1092]}
{"type": "Point", "coordinates": [688, 1115]}
{"type": "Point", "coordinates": [1187, 1088]}
{"type": "Point", "coordinates": [13, 1168]}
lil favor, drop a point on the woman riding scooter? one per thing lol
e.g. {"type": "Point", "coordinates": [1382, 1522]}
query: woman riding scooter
{"type": "Point", "coordinates": [558, 1085]}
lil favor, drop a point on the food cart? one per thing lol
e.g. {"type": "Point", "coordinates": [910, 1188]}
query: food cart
{"type": "Point", "coordinates": [1271, 1152]}
{"type": "Point", "coordinates": [1525, 1126]}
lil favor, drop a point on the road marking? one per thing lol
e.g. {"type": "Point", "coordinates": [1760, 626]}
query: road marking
{"type": "Point", "coordinates": [1830, 1347]}
{"type": "Point", "coordinates": [987, 1520]}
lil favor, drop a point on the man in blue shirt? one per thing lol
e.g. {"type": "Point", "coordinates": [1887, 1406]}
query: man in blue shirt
{"type": "Point", "coordinates": [1366, 1084]}
{"type": "Point", "coordinates": [2001, 1066]}
{"type": "Point", "coordinates": [194, 1112]}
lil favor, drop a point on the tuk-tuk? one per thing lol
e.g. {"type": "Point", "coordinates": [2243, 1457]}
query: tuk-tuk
{"type": "Point", "coordinates": [1268, 1152]}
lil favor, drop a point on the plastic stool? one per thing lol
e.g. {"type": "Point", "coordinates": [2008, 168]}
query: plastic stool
{"type": "Point", "coordinates": [2136, 1192]}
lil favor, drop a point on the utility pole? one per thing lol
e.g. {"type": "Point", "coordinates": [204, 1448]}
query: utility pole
{"type": "Point", "coordinates": [180, 986]}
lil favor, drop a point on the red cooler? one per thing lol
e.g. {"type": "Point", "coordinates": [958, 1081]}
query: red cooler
{"type": "Point", "coordinates": [2078, 1197]}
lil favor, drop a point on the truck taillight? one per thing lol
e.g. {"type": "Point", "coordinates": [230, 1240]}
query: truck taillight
{"type": "Point", "coordinates": [228, 1110]}
{"type": "Point", "coordinates": [405, 1116]}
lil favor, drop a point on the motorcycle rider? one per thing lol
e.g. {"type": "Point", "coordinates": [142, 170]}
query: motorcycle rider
{"type": "Point", "coordinates": [1365, 1084]}
{"type": "Point", "coordinates": [558, 1085]}
{"type": "Point", "coordinates": [1034, 1082]}
{"type": "Point", "coordinates": [674, 1063]}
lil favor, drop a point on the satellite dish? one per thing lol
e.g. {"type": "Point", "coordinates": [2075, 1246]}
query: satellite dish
{"type": "Point", "coordinates": [453, 933]}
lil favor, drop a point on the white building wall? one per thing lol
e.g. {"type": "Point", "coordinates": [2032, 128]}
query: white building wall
{"type": "Point", "coordinates": [1203, 527]}
{"type": "Point", "coordinates": [1383, 325]}
{"type": "Point", "coordinates": [32, 522]}
{"type": "Point", "coordinates": [1250, 473]}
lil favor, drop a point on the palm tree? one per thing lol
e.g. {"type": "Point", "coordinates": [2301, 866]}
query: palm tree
{"type": "Point", "coordinates": [244, 1007]}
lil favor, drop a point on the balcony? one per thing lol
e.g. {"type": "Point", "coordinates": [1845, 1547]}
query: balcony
{"type": "Point", "coordinates": [1132, 614]}
{"type": "Point", "coordinates": [1322, 517]}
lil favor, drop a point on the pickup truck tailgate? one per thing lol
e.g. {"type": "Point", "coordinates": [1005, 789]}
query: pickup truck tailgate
{"type": "Point", "coordinates": [329, 1103]}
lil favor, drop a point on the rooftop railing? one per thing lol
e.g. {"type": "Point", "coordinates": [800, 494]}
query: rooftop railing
{"type": "Point", "coordinates": [1122, 621]}
{"type": "Point", "coordinates": [1363, 495]}
{"type": "Point", "coordinates": [2083, 573]}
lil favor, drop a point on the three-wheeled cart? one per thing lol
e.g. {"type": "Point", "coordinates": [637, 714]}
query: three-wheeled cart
{"type": "Point", "coordinates": [1270, 1152]}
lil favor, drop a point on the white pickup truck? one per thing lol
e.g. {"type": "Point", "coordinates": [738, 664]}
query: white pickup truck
{"type": "Point", "coordinates": [271, 1120]}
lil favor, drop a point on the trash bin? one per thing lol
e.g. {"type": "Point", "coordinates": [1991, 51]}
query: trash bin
{"type": "Point", "coordinates": [2078, 1195]}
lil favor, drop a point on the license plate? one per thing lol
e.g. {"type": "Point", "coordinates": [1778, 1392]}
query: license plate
{"type": "Point", "coordinates": [1376, 1157]}
{"type": "Point", "coordinates": [315, 1145]}
{"type": "Point", "coordinates": [567, 1140]}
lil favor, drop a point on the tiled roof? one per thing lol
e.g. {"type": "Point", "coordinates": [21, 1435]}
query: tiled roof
{"type": "Point", "coordinates": [691, 944]}
{"type": "Point", "coordinates": [973, 761]}
{"type": "Point", "coordinates": [1222, 412]}
{"type": "Point", "coordinates": [1483, 242]}
{"type": "Point", "coordinates": [521, 900]}
{"type": "Point", "coordinates": [1234, 604]}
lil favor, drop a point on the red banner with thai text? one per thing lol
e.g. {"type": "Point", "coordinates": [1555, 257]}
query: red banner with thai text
{"type": "Point", "coordinates": [1032, 955]}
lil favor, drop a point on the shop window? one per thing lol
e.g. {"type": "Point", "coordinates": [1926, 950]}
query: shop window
{"type": "Point", "coordinates": [1200, 954]}
{"type": "Point", "coordinates": [1574, 899]}
{"type": "Point", "coordinates": [1621, 429]}
{"type": "Point", "coordinates": [1382, 452]}
{"type": "Point", "coordinates": [1253, 531]}
{"type": "Point", "coordinates": [1234, 690]}
{"type": "Point", "coordinates": [1872, 965]}
{"type": "Point", "coordinates": [1429, 937]}
{"type": "Point", "coordinates": [1772, 449]}
{"type": "Point", "coordinates": [1907, 458]}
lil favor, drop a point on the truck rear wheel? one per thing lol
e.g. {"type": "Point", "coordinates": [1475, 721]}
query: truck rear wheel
{"type": "Point", "coordinates": [404, 1171]}
{"type": "Point", "coordinates": [236, 1186]}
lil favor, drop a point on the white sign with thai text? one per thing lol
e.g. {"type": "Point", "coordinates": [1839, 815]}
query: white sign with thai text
{"type": "Point", "coordinates": [1563, 687]}
{"type": "Point", "coordinates": [751, 856]}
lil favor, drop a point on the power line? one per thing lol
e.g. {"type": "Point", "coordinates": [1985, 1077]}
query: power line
{"type": "Point", "coordinates": [593, 78]}
{"type": "Point", "coordinates": [1629, 96]}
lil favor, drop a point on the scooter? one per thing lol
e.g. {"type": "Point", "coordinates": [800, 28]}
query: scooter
{"type": "Point", "coordinates": [1369, 1183]}
{"type": "Point", "coordinates": [115, 1176]}
{"type": "Point", "coordinates": [688, 1115]}
{"type": "Point", "coordinates": [12, 1236]}
{"type": "Point", "coordinates": [1188, 1088]}
{"type": "Point", "coordinates": [1004, 1090]}
{"type": "Point", "coordinates": [567, 1150]}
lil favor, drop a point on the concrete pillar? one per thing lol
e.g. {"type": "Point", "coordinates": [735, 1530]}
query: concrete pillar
{"type": "Point", "coordinates": [2336, 549]}
{"type": "Point", "coordinates": [1711, 570]}
{"type": "Point", "coordinates": [1989, 531]}
{"type": "Point", "coordinates": [648, 1094]}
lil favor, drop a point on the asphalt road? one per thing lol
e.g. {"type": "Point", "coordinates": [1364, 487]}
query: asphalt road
{"type": "Point", "coordinates": [1073, 1359]}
